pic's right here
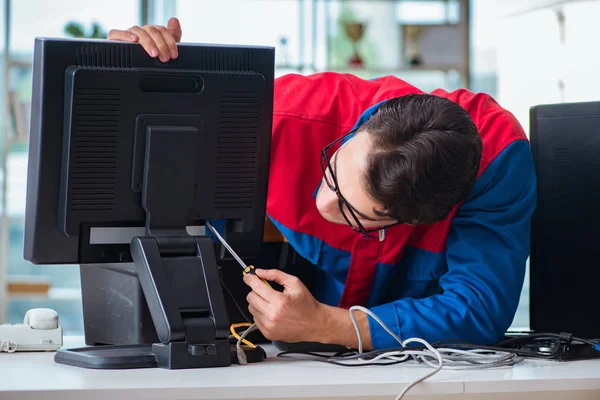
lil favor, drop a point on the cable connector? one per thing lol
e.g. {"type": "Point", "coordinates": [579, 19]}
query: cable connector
{"type": "Point", "coordinates": [565, 337]}
{"type": "Point", "coordinates": [597, 347]}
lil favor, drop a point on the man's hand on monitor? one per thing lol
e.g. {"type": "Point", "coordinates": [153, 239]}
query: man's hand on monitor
{"type": "Point", "coordinates": [158, 41]}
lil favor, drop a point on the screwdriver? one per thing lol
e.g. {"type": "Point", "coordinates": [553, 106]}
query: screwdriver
{"type": "Point", "coordinates": [248, 269]}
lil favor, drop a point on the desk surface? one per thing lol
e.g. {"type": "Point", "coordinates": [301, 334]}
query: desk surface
{"type": "Point", "coordinates": [37, 376]}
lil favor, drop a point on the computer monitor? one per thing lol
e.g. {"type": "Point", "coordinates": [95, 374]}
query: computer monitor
{"type": "Point", "coordinates": [565, 228]}
{"type": "Point", "coordinates": [128, 155]}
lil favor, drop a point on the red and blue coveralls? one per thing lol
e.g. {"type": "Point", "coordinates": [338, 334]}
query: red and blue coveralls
{"type": "Point", "coordinates": [457, 279]}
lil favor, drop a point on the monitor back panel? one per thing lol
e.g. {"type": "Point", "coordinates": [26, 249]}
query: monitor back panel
{"type": "Point", "coordinates": [93, 102]}
{"type": "Point", "coordinates": [565, 247]}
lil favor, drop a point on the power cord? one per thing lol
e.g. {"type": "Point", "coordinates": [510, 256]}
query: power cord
{"type": "Point", "coordinates": [8, 346]}
{"type": "Point", "coordinates": [248, 317]}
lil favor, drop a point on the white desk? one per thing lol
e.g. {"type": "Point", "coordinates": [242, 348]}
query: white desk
{"type": "Point", "coordinates": [28, 376]}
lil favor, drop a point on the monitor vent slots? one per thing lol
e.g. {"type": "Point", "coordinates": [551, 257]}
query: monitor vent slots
{"type": "Point", "coordinates": [236, 150]}
{"type": "Point", "coordinates": [224, 60]}
{"type": "Point", "coordinates": [562, 158]}
{"type": "Point", "coordinates": [118, 56]}
{"type": "Point", "coordinates": [94, 149]}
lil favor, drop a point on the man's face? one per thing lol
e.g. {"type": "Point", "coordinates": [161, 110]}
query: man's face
{"type": "Point", "coordinates": [349, 164]}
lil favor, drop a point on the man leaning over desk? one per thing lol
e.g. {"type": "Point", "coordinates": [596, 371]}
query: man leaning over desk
{"type": "Point", "coordinates": [415, 205]}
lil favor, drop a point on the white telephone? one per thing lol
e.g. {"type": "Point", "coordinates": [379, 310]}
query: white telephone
{"type": "Point", "coordinates": [38, 332]}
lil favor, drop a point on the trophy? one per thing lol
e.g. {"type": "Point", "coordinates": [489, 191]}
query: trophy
{"type": "Point", "coordinates": [413, 54]}
{"type": "Point", "coordinates": [355, 32]}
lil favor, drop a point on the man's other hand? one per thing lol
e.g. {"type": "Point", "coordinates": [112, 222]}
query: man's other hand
{"type": "Point", "coordinates": [293, 315]}
{"type": "Point", "coordinates": [158, 41]}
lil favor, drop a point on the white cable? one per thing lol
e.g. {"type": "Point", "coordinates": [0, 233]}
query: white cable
{"type": "Point", "coordinates": [416, 354]}
{"type": "Point", "coordinates": [241, 355]}
{"type": "Point", "coordinates": [8, 346]}
{"type": "Point", "coordinates": [478, 358]}
{"type": "Point", "coordinates": [435, 358]}
{"type": "Point", "coordinates": [376, 318]}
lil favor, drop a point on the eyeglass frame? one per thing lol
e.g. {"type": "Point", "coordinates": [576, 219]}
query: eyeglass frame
{"type": "Point", "coordinates": [326, 165]}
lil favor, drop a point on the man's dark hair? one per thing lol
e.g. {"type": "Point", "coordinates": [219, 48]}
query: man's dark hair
{"type": "Point", "coordinates": [425, 157]}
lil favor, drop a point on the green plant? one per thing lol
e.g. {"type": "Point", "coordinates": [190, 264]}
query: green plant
{"type": "Point", "coordinates": [77, 30]}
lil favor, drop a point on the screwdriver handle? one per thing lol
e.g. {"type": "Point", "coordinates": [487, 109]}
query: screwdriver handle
{"type": "Point", "coordinates": [250, 270]}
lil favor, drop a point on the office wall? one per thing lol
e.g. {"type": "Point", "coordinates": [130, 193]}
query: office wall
{"type": "Point", "coordinates": [543, 60]}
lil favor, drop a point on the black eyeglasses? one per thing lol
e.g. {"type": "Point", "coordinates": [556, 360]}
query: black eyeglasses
{"type": "Point", "coordinates": [331, 182]}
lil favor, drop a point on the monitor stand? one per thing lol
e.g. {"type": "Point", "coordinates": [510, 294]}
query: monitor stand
{"type": "Point", "coordinates": [177, 272]}
{"type": "Point", "coordinates": [193, 330]}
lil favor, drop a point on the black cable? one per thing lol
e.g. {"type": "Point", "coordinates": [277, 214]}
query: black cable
{"type": "Point", "coordinates": [366, 364]}
{"type": "Point", "coordinates": [567, 337]}
{"type": "Point", "coordinates": [509, 345]}
{"type": "Point", "coordinates": [522, 353]}
{"type": "Point", "coordinates": [313, 354]}
{"type": "Point", "coordinates": [244, 314]}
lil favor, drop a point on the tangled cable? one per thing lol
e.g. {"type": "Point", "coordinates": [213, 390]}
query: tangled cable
{"type": "Point", "coordinates": [472, 357]}
{"type": "Point", "coordinates": [8, 346]}
{"type": "Point", "coordinates": [436, 358]}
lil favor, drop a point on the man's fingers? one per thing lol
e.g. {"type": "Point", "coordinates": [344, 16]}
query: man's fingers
{"type": "Point", "coordinates": [262, 322]}
{"type": "Point", "coordinates": [256, 313]}
{"type": "Point", "coordinates": [174, 28]}
{"type": "Point", "coordinates": [286, 280]}
{"type": "Point", "coordinates": [156, 40]}
{"type": "Point", "coordinates": [124, 36]}
{"type": "Point", "coordinates": [163, 49]}
{"type": "Point", "coordinates": [145, 40]}
{"type": "Point", "coordinates": [258, 303]}
{"type": "Point", "coordinates": [259, 287]}
{"type": "Point", "coordinates": [169, 40]}
{"type": "Point", "coordinates": [262, 327]}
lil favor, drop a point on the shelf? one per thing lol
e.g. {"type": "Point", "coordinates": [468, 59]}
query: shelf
{"type": "Point", "coordinates": [349, 69]}
{"type": "Point", "coordinates": [514, 8]}
{"type": "Point", "coordinates": [12, 219]}
{"type": "Point", "coordinates": [418, 68]}
{"type": "Point", "coordinates": [292, 66]}
{"type": "Point", "coordinates": [26, 64]}
{"type": "Point", "coordinates": [12, 141]}
{"type": "Point", "coordinates": [63, 294]}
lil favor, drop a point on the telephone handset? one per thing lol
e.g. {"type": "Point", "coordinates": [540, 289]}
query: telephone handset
{"type": "Point", "coordinates": [41, 318]}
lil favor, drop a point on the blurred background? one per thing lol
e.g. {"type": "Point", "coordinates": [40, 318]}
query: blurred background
{"type": "Point", "coordinates": [521, 52]}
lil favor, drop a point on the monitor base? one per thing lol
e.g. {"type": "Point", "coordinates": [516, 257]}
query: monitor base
{"type": "Point", "coordinates": [132, 356]}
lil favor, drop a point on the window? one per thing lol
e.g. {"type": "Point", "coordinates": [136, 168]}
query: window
{"type": "Point", "coordinates": [30, 19]}
{"type": "Point", "coordinates": [265, 22]}
{"type": "Point", "coordinates": [483, 47]}
{"type": "Point", "coordinates": [34, 18]}
{"type": "Point", "coordinates": [419, 11]}
{"type": "Point", "coordinates": [2, 83]}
